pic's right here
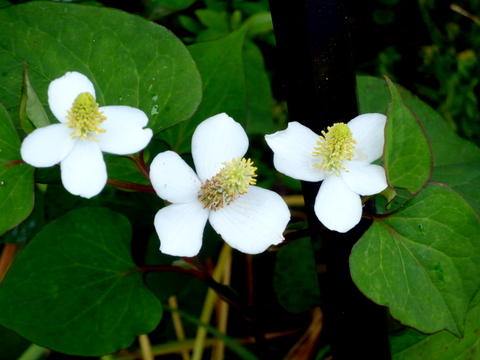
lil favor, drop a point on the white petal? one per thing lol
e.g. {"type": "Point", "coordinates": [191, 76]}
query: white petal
{"type": "Point", "coordinates": [364, 178]}
{"type": "Point", "coordinates": [180, 228]}
{"type": "Point", "coordinates": [368, 130]}
{"type": "Point", "coordinates": [253, 222]}
{"type": "Point", "coordinates": [173, 179]}
{"type": "Point", "coordinates": [336, 206]}
{"type": "Point", "coordinates": [216, 140]}
{"type": "Point", "coordinates": [292, 152]}
{"type": "Point", "coordinates": [47, 146]}
{"type": "Point", "coordinates": [63, 91]}
{"type": "Point", "coordinates": [83, 171]}
{"type": "Point", "coordinates": [124, 133]}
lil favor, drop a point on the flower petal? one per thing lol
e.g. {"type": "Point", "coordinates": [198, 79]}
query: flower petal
{"type": "Point", "coordinates": [364, 178]}
{"type": "Point", "coordinates": [63, 91]}
{"type": "Point", "coordinates": [368, 130]}
{"type": "Point", "coordinates": [216, 140]}
{"type": "Point", "coordinates": [47, 146]}
{"type": "Point", "coordinates": [253, 222]}
{"type": "Point", "coordinates": [292, 152]}
{"type": "Point", "coordinates": [180, 228]}
{"type": "Point", "coordinates": [83, 171]}
{"type": "Point", "coordinates": [173, 179]}
{"type": "Point", "coordinates": [336, 206]}
{"type": "Point", "coordinates": [124, 133]}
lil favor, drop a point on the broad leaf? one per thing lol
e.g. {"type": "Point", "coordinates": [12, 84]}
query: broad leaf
{"type": "Point", "coordinates": [130, 60]}
{"type": "Point", "coordinates": [221, 65]}
{"type": "Point", "coordinates": [75, 288]}
{"type": "Point", "coordinates": [259, 92]}
{"type": "Point", "coordinates": [422, 261]}
{"type": "Point", "coordinates": [407, 157]}
{"type": "Point", "coordinates": [410, 345]}
{"type": "Point", "coordinates": [295, 281]}
{"type": "Point", "coordinates": [16, 178]}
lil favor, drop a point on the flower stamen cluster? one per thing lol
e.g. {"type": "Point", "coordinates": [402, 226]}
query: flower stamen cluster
{"type": "Point", "coordinates": [334, 148]}
{"type": "Point", "coordinates": [225, 187]}
{"type": "Point", "coordinates": [84, 117]}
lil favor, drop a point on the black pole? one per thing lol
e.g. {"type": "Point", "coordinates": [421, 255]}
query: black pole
{"type": "Point", "coordinates": [316, 70]}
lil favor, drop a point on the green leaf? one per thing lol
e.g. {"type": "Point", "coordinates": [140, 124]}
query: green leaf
{"type": "Point", "coordinates": [32, 114]}
{"type": "Point", "coordinates": [139, 63]}
{"type": "Point", "coordinates": [259, 92]}
{"type": "Point", "coordinates": [221, 65]}
{"type": "Point", "coordinates": [422, 261]}
{"type": "Point", "coordinates": [295, 281]}
{"type": "Point", "coordinates": [75, 289]}
{"type": "Point", "coordinates": [16, 178]}
{"type": "Point", "coordinates": [410, 345]}
{"type": "Point", "coordinates": [407, 157]}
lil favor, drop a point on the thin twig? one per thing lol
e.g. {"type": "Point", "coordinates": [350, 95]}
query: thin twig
{"type": "Point", "coordinates": [219, 349]}
{"type": "Point", "coordinates": [177, 324]}
{"type": "Point", "coordinates": [145, 347]}
{"type": "Point", "coordinates": [465, 13]}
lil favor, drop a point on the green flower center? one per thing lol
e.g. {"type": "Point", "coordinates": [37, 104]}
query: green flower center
{"type": "Point", "coordinates": [334, 148]}
{"type": "Point", "coordinates": [84, 117]}
{"type": "Point", "coordinates": [232, 181]}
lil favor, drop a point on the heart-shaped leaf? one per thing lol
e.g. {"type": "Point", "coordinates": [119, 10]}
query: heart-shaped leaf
{"type": "Point", "coordinates": [75, 288]}
{"type": "Point", "coordinates": [422, 261]}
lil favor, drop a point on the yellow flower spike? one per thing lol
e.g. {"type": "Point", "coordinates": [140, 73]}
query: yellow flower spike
{"type": "Point", "coordinates": [84, 117]}
{"type": "Point", "coordinates": [334, 148]}
{"type": "Point", "coordinates": [225, 187]}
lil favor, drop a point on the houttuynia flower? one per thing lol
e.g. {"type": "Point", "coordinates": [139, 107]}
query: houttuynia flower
{"type": "Point", "coordinates": [342, 158]}
{"type": "Point", "coordinates": [84, 131]}
{"type": "Point", "coordinates": [221, 191]}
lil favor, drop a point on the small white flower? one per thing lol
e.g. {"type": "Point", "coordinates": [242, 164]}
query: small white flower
{"type": "Point", "coordinates": [85, 130]}
{"type": "Point", "coordinates": [341, 157]}
{"type": "Point", "coordinates": [247, 217]}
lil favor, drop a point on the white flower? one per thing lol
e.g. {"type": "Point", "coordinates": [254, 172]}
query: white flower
{"type": "Point", "coordinates": [247, 217]}
{"type": "Point", "coordinates": [84, 131]}
{"type": "Point", "coordinates": [341, 157]}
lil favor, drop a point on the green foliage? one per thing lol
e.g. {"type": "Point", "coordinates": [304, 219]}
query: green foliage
{"type": "Point", "coordinates": [234, 82]}
{"type": "Point", "coordinates": [411, 262]}
{"type": "Point", "coordinates": [450, 152]}
{"type": "Point", "coordinates": [67, 290]}
{"type": "Point", "coordinates": [76, 287]}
